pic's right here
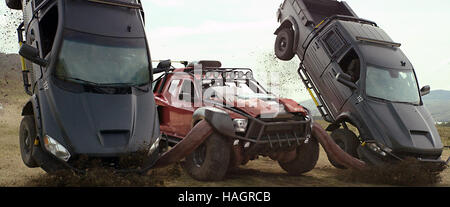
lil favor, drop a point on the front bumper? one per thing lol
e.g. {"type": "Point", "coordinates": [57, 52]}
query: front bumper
{"type": "Point", "coordinates": [269, 136]}
{"type": "Point", "coordinates": [79, 163]}
{"type": "Point", "coordinates": [374, 158]}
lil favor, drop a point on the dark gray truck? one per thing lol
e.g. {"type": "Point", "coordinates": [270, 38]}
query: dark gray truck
{"type": "Point", "coordinates": [88, 71]}
{"type": "Point", "coordinates": [357, 75]}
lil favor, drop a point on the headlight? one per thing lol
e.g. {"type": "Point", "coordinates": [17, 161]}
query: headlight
{"type": "Point", "coordinates": [56, 148]}
{"type": "Point", "coordinates": [154, 146]}
{"type": "Point", "coordinates": [240, 125]}
{"type": "Point", "coordinates": [380, 150]}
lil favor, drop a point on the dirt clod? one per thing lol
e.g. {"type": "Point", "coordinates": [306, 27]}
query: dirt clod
{"type": "Point", "coordinates": [409, 172]}
{"type": "Point", "coordinates": [95, 177]}
{"type": "Point", "coordinates": [96, 174]}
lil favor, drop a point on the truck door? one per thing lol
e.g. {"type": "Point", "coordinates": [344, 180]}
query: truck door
{"type": "Point", "coordinates": [185, 107]}
{"type": "Point", "coordinates": [337, 94]}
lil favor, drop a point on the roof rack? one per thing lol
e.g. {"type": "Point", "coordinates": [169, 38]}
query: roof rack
{"type": "Point", "coordinates": [380, 42]}
{"type": "Point", "coordinates": [222, 73]}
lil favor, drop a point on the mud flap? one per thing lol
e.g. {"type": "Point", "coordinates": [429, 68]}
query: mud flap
{"type": "Point", "coordinates": [195, 138]}
{"type": "Point", "coordinates": [334, 151]}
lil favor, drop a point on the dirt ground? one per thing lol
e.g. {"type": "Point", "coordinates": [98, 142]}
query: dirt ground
{"type": "Point", "coordinates": [262, 172]}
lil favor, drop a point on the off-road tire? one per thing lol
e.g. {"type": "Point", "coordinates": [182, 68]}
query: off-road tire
{"type": "Point", "coordinates": [215, 152]}
{"type": "Point", "coordinates": [305, 160]}
{"type": "Point", "coordinates": [14, 4]}
{"type": "Point", "coordinates": [284, 44]}
{"type": "Point", "coordinates": [348, 142]}
{"type": "Point", "coordinates": [27, 135]}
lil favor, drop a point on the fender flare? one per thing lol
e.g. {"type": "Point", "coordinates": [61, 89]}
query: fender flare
{"type": "Point", "coordinates": [31, 108]}
{"type": "Point", "coordinates": [218, 119]}
{"type": "Point", "coordinates": [346, 117]}
{"type": "Point", "coordinates": [290, 22]}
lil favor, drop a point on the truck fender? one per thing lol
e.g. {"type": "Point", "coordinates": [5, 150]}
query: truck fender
{"type": "Point", "coordinates": [347, 117]}
{"type": "Point", "coordinates": [218, 119]}
{"type": "Point", "coordinates": [31, 108]}
{"type": "Point", "coordinates": [290, 22]}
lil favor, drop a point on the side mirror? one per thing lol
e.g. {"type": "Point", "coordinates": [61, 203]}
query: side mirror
{"type": "Point", "coordinates": [32, 54]}
{"type": "Point", "coordinates": [346, 80]}
{"type": "Point", "coordinates": [425, 90]}
{"type": "Point", "coordinates": [163, 66]}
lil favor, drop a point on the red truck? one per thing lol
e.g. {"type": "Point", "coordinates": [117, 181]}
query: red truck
{"type": "Point", "coordinates": [248, 121]}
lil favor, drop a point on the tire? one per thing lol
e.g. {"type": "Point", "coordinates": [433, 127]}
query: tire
{"type": "Point", "coordinates": [284, 44]}
{"type": "Point", "coordinates": [27, 135]}
{"type": "Point", "coordinates": [305, 160]}
{"type": "Point", "coordinates": [14, 4]}
{"type": "Point", "coordinates": [210, 161]}
{"type": "Point", "coordinates": [348, 142]}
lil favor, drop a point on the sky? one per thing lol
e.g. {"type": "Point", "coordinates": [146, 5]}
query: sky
{"type": "Point", "coordinates": [237, 32]}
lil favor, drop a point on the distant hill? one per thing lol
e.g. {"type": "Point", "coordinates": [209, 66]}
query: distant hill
{"type": "Point", "coordinates": [437, 102]}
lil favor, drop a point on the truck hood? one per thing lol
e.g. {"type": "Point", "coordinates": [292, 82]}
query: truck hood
{"type": "Point", "coordinates": [265, 105]}
{"type": "Point", "coordinates": [404, 128]}
{"type": "Point", "coordinates": [102, 124]}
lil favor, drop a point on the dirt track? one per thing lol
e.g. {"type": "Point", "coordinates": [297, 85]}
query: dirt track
{"type": "Point", "coordinates": [262, 172]}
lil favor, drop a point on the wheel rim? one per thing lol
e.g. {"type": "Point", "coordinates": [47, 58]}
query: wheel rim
{"type": "Point", "coordinates": [283, 44]}
{"type": "Point", "coordinates": [200, 155]}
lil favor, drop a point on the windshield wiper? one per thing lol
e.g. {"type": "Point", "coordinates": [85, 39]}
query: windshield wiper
{"type": "Point", "coordinates": [380, 99]}
{"type": "Point", "coordinates": [385, 100]}
{"type": "Point", "coordinates": [132, 85]}
{"type": "Point", "coordinates": [405, 102]}
{"type": "Point", "coordinates": [110, 85]}
{"type": "Point", "coordinates": [79, 80]}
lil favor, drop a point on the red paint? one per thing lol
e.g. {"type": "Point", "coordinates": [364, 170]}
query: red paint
{"type": "Point", "coordinates": [176, 114]}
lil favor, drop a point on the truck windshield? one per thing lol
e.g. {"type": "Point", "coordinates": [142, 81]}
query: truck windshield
{"type": "Point", "coordinates": [392, 85]}
{"type": "Point", "coordinates": [99, 60]}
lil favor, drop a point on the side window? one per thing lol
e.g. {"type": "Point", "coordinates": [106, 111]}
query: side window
{"type": "Point", "coordinates": [48, 26]}
{"type": "Point", "coordinates": [187, 90]}
{"type": "Point", "coordinates": [173, 87]}
{"type": "Point", "coordinates": [333, 42]}
{"type": "Point", "coordinates": [351, 65]}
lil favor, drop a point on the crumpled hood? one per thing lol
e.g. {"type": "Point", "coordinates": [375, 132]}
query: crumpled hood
{"type": "Point", "coordinates": [102, 124]}
{"type": "Point", "coordinates": [265, 105]}
{"type": "Point", "coordinates": [405, 128]}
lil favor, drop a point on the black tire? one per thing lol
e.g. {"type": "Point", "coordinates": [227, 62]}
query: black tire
{"type": "Point", "coordinates": [348, 142]}
{"type": "Point", "coordinates": [210, 161]}
{"type": "Point", "coordinates": [27, 135]}
{"type": "Point", "coordinates": [305, 160]}
{"type": "Point", "coordinates": [284, 44]}
{"type": "Point", "coordinates": [14, 4]}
